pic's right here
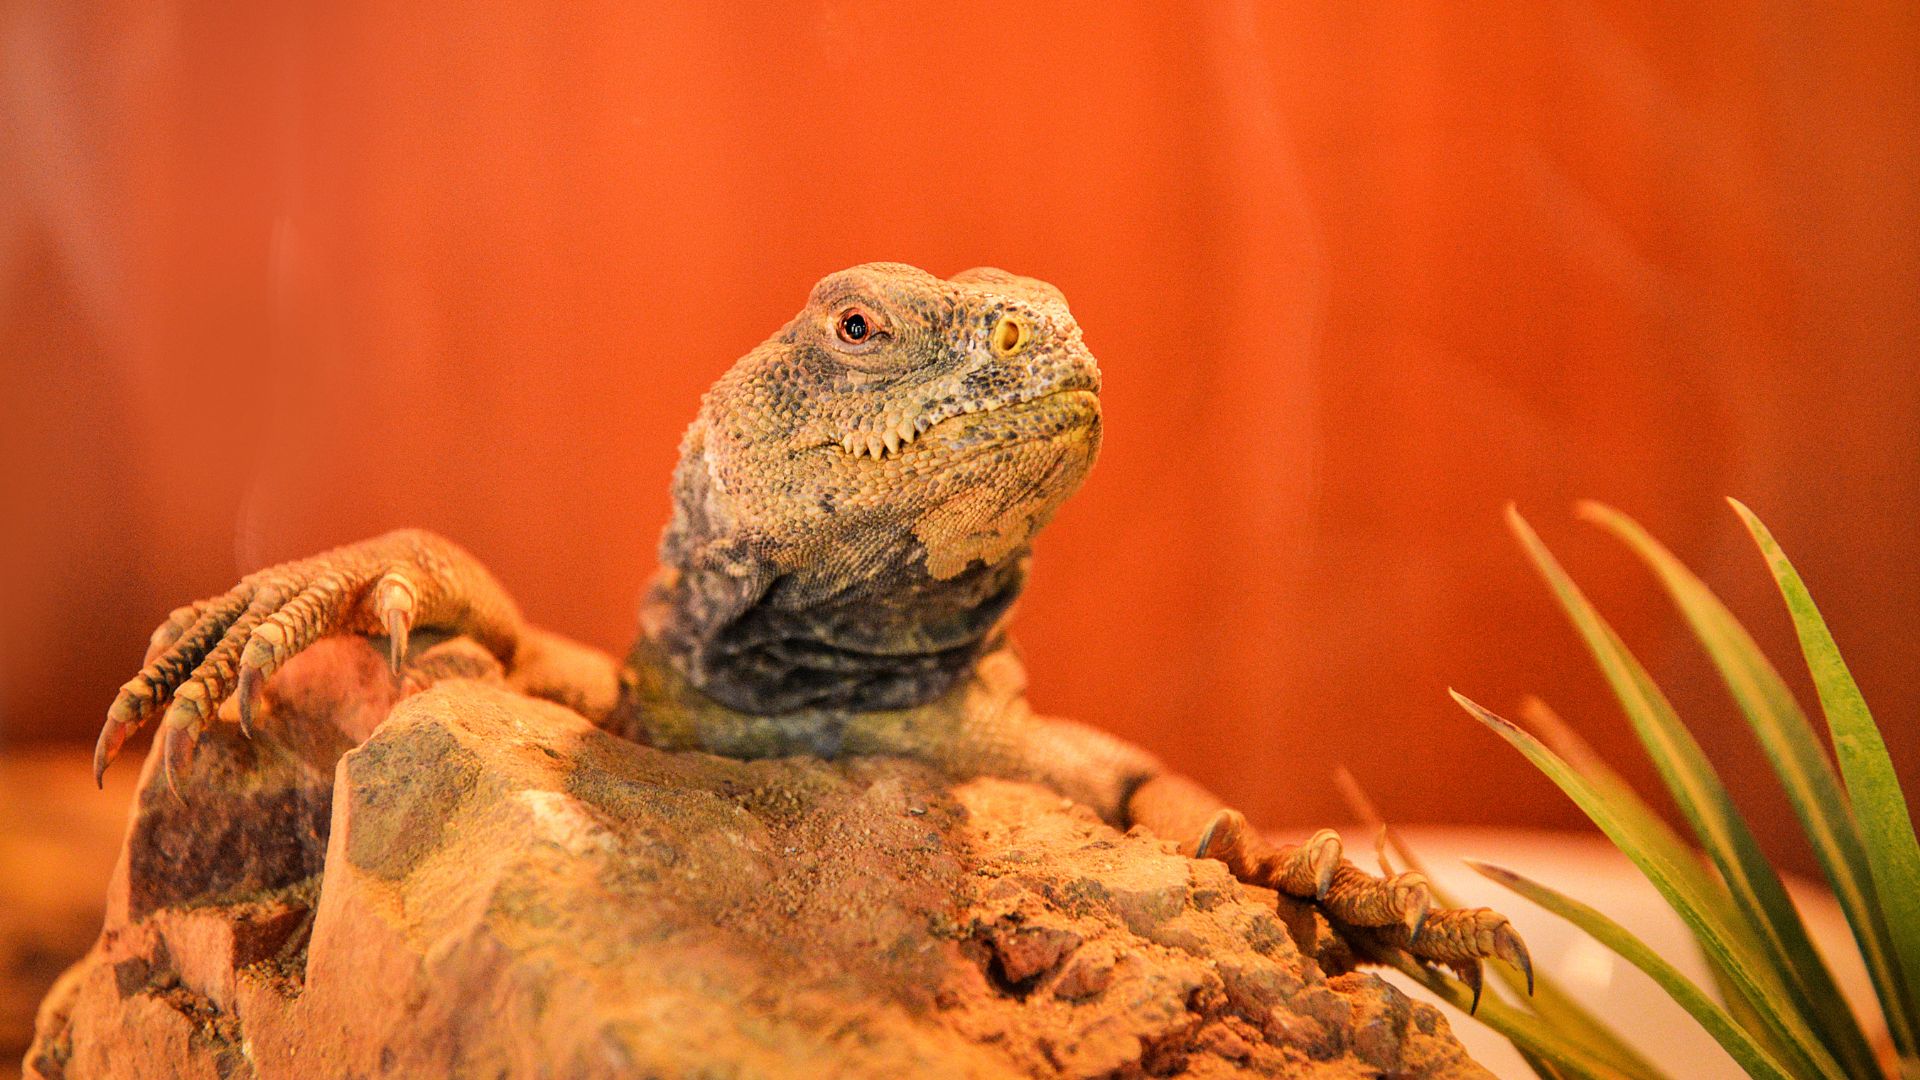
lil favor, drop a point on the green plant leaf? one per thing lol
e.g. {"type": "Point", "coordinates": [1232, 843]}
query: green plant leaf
{"type": "Point", "coordinates": [1803, 1053]}
{"type": "Point", "coordinates": [1555, 1007]}
{"type": "Point", "coordinates": [1892, 851]}
{"type": "Point", "coordinates": [1748, 1053]}
{"type": "Point", "coordinates": [1795, 752]}
{"type": "Point", "coordinates": [1651, 831]}
{"type": "Point", "coordinates": [1539, 1066]}
{"type": "Point", "coordinates": [1787, 953]}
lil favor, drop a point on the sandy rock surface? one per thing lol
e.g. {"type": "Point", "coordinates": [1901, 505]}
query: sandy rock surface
{"type": "Point", "coordinates": [501, 889]}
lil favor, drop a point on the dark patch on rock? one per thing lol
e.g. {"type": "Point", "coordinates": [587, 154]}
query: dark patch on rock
{"type": "Point", "coordinates": [221, 850]}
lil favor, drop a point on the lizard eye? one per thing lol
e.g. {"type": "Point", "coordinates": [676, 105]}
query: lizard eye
{"type": "Point", "coordinates": [1009, 336]}
{"type": "Point", "coordinates": [859, 327]}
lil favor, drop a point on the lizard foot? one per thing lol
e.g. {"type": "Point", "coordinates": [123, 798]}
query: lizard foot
{"type": "Point", "coordinates": [1376, 916]}
{"type": "Point", "coordinates": [210, 659]}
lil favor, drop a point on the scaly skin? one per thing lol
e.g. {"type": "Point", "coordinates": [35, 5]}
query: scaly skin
{"type": "Point", "coordinates": [853, 511]}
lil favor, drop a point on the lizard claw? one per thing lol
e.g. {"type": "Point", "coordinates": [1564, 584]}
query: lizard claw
{"type": "Point", "coordinates": [130, 710]}
{"type": "Point", "coordinates": [1221, 834]}
{"type": "Point", "coordinates": [248, 693]}
{"type": "Point", "coordinates": [1471, 972]}
{"type": "Point", "coordinates": [113, 736]}
{"type": "Point", "coordinates": [180, 729]}
{"type": "Point", "coordinates": [1415, 900]}
{"type": "Point", "coordinates": [395, 604]}
{"type": "Point", "coordinates": [396, 639]}
{"type": "Point", "coordinates": [176, 753]}
{"type": "Point", "coordinates": [1509, 946]}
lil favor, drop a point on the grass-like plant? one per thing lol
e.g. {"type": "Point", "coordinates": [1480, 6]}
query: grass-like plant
{"type": "Point", "coordinates": [1778, 1010]}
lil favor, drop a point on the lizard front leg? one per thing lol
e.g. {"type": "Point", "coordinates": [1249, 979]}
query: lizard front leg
{"type": "Point", "coordinates": [1371, 917]}
{"type": "Point", "coordinates": [225, 648]}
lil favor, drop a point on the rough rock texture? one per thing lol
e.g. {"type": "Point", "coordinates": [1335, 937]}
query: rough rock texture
{"type": "Point", "coordinates": [501, 889]}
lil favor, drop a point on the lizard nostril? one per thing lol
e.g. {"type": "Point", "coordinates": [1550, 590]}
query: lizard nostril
{"type": "Point", "coordinates": [1009, 336]}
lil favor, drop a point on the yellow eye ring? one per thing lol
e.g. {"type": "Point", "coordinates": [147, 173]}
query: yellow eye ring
{"type": "Point", "coordinates": [1009, 336]}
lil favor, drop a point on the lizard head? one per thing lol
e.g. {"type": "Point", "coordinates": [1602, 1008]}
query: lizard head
{"type": "Point", "coordinates": [901, 415]}
{"type": "Point", "coordinates": [854, 503]}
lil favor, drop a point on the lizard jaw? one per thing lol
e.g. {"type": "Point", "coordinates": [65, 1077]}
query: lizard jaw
{"type": "Point", "coordinates": [885, 444]}
{"type": "Point", "coordinates": [907, 431]}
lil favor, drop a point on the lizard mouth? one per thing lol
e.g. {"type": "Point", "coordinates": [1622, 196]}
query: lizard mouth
{"type": "Point", "coordinates": [1005, 421]}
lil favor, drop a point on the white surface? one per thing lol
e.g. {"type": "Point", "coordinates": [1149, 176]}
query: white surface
{"type": "Point", "coordinates": [1588, 868]}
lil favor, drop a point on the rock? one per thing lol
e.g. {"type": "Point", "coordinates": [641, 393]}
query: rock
{"type": "Point", "coordinates": [489, 886]}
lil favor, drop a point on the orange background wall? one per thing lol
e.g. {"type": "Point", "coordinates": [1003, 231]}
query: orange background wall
{"type": "Point", "coordinates": [281, 276]}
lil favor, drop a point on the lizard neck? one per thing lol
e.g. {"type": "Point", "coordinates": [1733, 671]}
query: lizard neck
{"type": "Point", "coordinates": [895, 639]}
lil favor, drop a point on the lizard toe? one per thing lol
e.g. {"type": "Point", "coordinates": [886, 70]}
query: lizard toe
{"type": "Point", "coordinates": [1309, 869]}
{"type": "Point", "coordinates": [178, 622]}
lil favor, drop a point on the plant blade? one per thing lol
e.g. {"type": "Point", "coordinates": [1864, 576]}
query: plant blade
{"type": "Point", "coordinates": [1539, 1066]}
{"type": "Point", "coordinates": [1796, 755]}
{"type": "Point", "coordinates": [1646, 824]}
{"type": "Point", "coordinates": [1760, 899]}
{"type": "Point", "coordinates": [1731, 1036]}
{"type": "Point", "coordinates": [1722, 944]}
{"type": "Point", "coordinates": [1879, 804]}
{"type": "Point", "coordinates": [1651, 831]}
